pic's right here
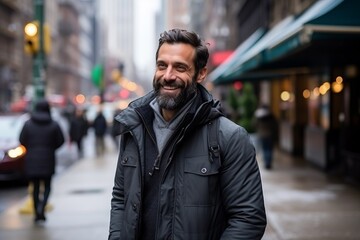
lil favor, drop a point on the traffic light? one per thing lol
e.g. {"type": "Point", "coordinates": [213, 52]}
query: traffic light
{"type": "Point", "coordinates": [47, 38]}
{"type": "Point", "coordinates": [32, 43]}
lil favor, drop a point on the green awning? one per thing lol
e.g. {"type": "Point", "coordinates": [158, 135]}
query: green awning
{"type": "Point", "coordinates": [337, 20]}
{"type": "Point", "coordinates": [253, 57]}
{"type": "Point", "coordinates": [325, 20]}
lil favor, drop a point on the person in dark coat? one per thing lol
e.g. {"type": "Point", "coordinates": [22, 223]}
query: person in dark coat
{"type": "Point", "coordinates": [115, 129]}
{"type": "Point", "coordinates": [100, 128]}
{"type": "Point", "coordinates": [266, 130]}
{"type": "Point", "coordinates": [78, 129]}
{"type": "Point", "coordinates": [171, 181]}
{"type": "Point", "coordinates": [41, 136]}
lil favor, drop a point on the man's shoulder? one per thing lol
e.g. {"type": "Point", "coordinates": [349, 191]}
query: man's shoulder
{"type": "Point", "coordinates": [228, 128]}
{"type": "Point", "coordinates": [225, 123]}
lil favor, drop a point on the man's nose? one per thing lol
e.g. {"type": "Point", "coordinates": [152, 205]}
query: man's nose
{"type": "Point", "coordinates": [170, 73]}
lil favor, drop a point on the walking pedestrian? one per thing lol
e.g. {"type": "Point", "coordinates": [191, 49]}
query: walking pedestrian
{"type": "Point", "coordinates": [78, 129]}
{"type": "Point", "coordinates": [266, 132]}
{"type": "Point", "coordinates": [115, 129]}
{"type": "Point", "coordinates": [100, 128]}
{"type": "Point", "coordinates": [172, 181]}
{"type": "Point", "coordinates": [41, 136]}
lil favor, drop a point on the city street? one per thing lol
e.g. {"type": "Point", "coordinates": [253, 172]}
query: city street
{"type": "Point", "coordinates": [301, 202]}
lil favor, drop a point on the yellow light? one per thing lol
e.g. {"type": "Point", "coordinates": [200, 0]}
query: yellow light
{"type": "Point", "coordinates": [285, 96]}
{"type": "Point", "coordinates": [31, 37]}
{"type": "Point", "coordinates": [80, 98]}
{"type": "Point", "coordinates": [339, 79]}
{"type": "Point", "coordinates": [337, 87]}
{"type": "Point", "coordinates": [17, 152]}
{"type": "Point", "coordinates": [327, 85]}
{"type": "Point", "coordinates": [47, 38]}
{"type": "Point", "coordinates": [323, 89]}
{"type": "Point", "coordinates": [306, 93]}
{"type": "Point", "coordinates": [116, 75]}
{"type": "Point", "coordinates": [31, 29]}
{"type": "Point", "coordinates": [316, 92]}
{"type": "Point", "coordinates": [131, 86]}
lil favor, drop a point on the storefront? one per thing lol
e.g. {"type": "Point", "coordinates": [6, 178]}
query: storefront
{"type": "Point", "coordinates": [313, 64]}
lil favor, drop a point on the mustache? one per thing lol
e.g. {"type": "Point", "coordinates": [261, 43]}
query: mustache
{"type": "Point", "coordinates": [164, 83]}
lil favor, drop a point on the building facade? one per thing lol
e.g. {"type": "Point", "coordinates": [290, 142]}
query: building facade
{"type": "Point", "coordinates": [14, 64]}
{"type": "Point", "coordinates": [302, 58]}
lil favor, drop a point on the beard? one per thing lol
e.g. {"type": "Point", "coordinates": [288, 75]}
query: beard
{"type": "Point", "coordinates": [173, 102]}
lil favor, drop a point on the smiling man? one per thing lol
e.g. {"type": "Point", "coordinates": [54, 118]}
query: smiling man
{"type": "Point", "coordinates": [167, 184]}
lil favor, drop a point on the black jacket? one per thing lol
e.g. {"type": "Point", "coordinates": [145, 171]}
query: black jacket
{"type": "Point", "coordinates": [78, 128]}
{"type": "Point", "coordinates": [199, 199]}
{"type": "Point", "coordinates": [41, 136]}
{"type": "Point", "coordinates": [100, 125]}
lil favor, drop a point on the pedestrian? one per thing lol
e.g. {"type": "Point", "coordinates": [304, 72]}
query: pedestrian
{"type": "Point", "coordinates": [169, 184]}
{"type": "Point", "coordinates": [41, 136]}
{"type": "Point", "coordinates": [266, 132]}
{"type": "Point", "coordinates": [100, 128]}
{"type": "Point", "coordinates": [115, 129]}
{"type": "Point", "coordinates": [78, 129]}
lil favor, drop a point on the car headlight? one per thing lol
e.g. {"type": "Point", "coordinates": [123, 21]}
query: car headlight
{"type": "Point", "coordinates": [17, 152]}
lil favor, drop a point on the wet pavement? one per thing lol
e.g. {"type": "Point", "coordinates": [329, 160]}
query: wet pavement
{"type": "Point", "coordinates": [301, 202]}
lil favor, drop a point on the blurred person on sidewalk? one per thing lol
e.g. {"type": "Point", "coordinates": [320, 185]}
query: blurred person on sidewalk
{"type": "Point", "coordinates": [78, 129]}
{"type": "Point", "coordinates": [115, 129]}
{"type": "Point", "coordinates": [41, 136]}
{"type": "Point", "coordinates": [169, 184]}
{"type": "Point", "coordinates": [100, 128]}
{"type": "Point", "coordinates": [266, 133]}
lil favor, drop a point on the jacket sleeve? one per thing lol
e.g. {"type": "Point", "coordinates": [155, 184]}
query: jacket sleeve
{"type": "Point", "coordinates": [59, 136]}
{"type": "Point", "coordinates": [117, 204]}
{"type": "Point", "coordinates": [23, 135]}
{"type": "Point", "coordinates": [242, 189]}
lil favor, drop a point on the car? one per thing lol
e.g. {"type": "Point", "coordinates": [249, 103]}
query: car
{"type": "Point", "coordinates": [12, 153]}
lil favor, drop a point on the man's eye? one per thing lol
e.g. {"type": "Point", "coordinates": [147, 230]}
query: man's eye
{"type": "Point", "coordinates": [181, 68]}
{"type": "Point", "coordinates": [161, 66]}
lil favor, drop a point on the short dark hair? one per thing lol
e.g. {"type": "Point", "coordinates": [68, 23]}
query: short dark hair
{"type": "Point", "coordinates": [192, 38]}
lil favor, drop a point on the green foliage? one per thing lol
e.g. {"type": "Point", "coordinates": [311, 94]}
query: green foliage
{"type": "Point", "coordinates": [233, 100]}
{"type": "Point", "coordinates": [248, 104]}
{"type": "Point", "coordinates": [243, 106]}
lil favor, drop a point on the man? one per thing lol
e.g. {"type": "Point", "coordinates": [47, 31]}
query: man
{"type": "Point", "coordinates": [78, 129]}
{"type": "Point", "coordinates": [166, 185]}
{"type": "Point", "coordinates": [266, 131]}
{"type": "Point", "coordinates": [100, 128]}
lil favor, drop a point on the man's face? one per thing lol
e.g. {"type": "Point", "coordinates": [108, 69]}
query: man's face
{"type": "Point", "coordinates": [175, 81]}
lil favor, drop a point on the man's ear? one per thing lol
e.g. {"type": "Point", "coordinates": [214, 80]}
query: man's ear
{"type": "Point", "coordinates": [202, 75]}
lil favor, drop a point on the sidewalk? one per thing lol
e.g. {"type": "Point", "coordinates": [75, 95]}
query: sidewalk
{"type": "Point", "coordinates": [81, 205]}
{"type": "Point", "coordinates": [301, 203]}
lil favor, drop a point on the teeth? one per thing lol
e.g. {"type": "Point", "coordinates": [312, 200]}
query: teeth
{"type": "Point", "coordinates": [169, 88]}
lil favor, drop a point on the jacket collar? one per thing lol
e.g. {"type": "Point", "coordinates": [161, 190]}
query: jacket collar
{"type": "Point", "coordinates": [203, 110]}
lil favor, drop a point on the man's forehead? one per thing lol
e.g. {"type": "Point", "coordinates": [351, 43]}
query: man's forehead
{"type": "Point", "coordinates": [176, 51]}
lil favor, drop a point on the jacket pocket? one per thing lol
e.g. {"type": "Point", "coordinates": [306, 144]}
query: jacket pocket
{"type": "Point", "coordinates": [201, 181]}
{"type": "Point", "coordinates": [128, 161]}
{"type": "Point", "coordinates": [131, 182]}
